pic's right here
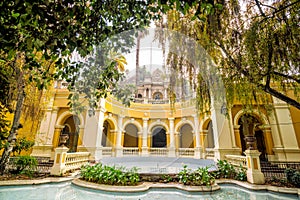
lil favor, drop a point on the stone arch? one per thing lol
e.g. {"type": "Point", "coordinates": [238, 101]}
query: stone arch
{"type": "Point", "coordinates": [183, 122]}
{"type": "Point", "coordinates": [157, 96]}
{"type": "Point", "coordinates": [112, 121]}
{"type": "Point", "coordinates": [131, 134]}
{"type": "Point", "coordinates": [108, 131]}
{"type": "Point", "coordinates": [264, 141]}
{"type": "Point", "coordinates": [186, 136]}
{"type": "Point", "coordinates": [159, 137]}
{"type": "Point", "coordinates": [260, 116]}
{"type": "Point", "coordinates": [204, 123]}
{"type": "Point", "coordinates": [67, 126]}
{"type": "Point", "coordinates": [157, 123]}
{"type": "Point", "coordinates": [62, 117]}
{"type": "Point", "coordinates": [206, 133]}
{"type": "Point", "coordinates": [136, 123]}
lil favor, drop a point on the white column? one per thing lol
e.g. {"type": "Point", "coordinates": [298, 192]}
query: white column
{"type": "Point", "coordinates": [290, 151]}
{"type": "Point", "coordinates": [145, 137]}
{"type": "Point", "coordinates": [52, 125]}
{"type": "Point", "coordinates": [93, 132]}
{"type": "Point", "coordinates": [166, 94]}
{"type": "Point", "coordinates": [231, 129]}
{"type": "Point", "coordinates": [198, 148]}
{"type": "Point", "coordinates": [149, 95]}
{"type": "Point", "coordinates": [119, 148]}
{"type": "Point", "coordinates": [43, 139]}
{"type": "Point", "coordinates": [172, 138]}
{"type": "Point", "coordinates": [221, 131]}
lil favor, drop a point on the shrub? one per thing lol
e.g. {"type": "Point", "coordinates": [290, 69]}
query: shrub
{"type": "Point", "coordinates": [293, 176]}
{"type": "Point", "coordinates": [22, 144]}
{"type": "Point", "coordinates": [241, 174]}
{"type": "Point", "coordinates": [199, 177]}
{"type": "Point", "coordinates": [166, 178]}
{"type": "Point", "coordinates": [227, 170]}
{"type": "Point", "coordinates": [25, 164]}
{"type": "Point", "coordinates": [110, 175]}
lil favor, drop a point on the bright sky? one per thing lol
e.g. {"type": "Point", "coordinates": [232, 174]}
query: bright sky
{"type": "Point", "coordinates": [150, 53]}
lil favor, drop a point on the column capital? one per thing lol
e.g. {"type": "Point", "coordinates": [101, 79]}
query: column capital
{"type": "Point", "coordinates": [265, 127]}
{"type": "Point", "coordinates": [101, 109]}
{"type": "Point", "coordinates": [171, 119]}
{"type": "Point", "coordinates": [55, 109]}
{"type": "Point", "coordinates": [145, 119]}
{"type": "Point", "coordinates": [121, 116]}
{"type": "Point", "coordinates": [195, 115]}
{"type": "Point", "coordinates": [236, 126]}
{"type": "Point", "coordinates": [81, 126]}
{"type": "Point", "coordinates": [59, 126]}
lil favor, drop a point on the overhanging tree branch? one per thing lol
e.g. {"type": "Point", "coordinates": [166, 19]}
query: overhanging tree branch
{"type": "Point", "coordinates": [287, 76]}
{"type": "Point", "coordinates": [265, 87]}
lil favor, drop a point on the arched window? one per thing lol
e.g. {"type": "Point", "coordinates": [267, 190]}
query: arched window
{"type": "Point", "coordinates": [252, 128]}
{"type": "Point", "coordinates": [186, 136]}
{"type": "Point", "coordinates": [106, 134]}
{"type": "Point", "coordinates": [159, 138]}
{"type": "Point", "coordinates": [210, 136]}
{"type": "Point", "coordinates": [157, 96]}
{"type": "Point", "coordinates": [131, 136]}
{"type": "Point", "coordinates": [71, 130]}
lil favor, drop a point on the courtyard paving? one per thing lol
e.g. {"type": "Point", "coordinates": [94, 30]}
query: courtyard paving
{"type": "Point", "coordinates": [158, 165]}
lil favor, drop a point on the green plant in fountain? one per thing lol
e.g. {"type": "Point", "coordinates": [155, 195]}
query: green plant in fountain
{"type": "Point", "coordinates": [241, 174]}
{"type": "Point", "coordinates": [166, 178]}
{"type": "Point", "coordinates": [225, 170]}
{"type": "Point", "coordinates": [184, 175]}
{"type": "Point", "coordinates": [199, 177]}
{"type": "Point", "coordinates": [110, 175]}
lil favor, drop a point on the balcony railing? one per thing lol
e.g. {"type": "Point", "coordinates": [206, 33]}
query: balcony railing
{"type": "Point", "coordinates": [237, 160]}
{"type": "Point", "coordinates": [186, 152]}
{"type": "Point", "coordinates": [209, 153]}
{"type": "Point", "coordinates": [130, 151]}
{"type": "Point", "coordinates": [158, 151]}
{"type": "Point", "coordinates": [106, 151]}
{"type": "Point", "coordinates": [76, 160]}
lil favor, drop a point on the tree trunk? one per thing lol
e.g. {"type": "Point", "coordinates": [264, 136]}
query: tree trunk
{"type": "Point", "coordinates": [12, 135]}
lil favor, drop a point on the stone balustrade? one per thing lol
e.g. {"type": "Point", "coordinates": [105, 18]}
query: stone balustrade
{"type": "Point", "coordinates": [237, 160]}
{"type": "Point", "coordinates": [209, 153]}
{"type": "Point", "coordinates": [106, 151]}
{"type": "Point", "coordinates": [64, 161]}
{"type": "Point", "coordinates": [158, 152]}
{"type": "Point", "coordinates": [76, 160]}
{"type": "Point", "coordinates": [130, 151]}
{"type": "Point", "coordinates": [186, 152]}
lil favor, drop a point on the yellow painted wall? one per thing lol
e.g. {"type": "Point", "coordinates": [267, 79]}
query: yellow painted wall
{"type": "Point", "coordinates": [295, 115]}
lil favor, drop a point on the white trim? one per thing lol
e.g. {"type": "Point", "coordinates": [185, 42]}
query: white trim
{"type": "Point", "coordinates": [182, 123]}
{"type": "Point", "coordinates": [260, 116]}
{"type": "Point", "coordinates": [62, 117]}
{"type": "Point", "coordinates": [113, 120]}
{"type": "Point", "coordinates": [158, 123]}
{"type": "Point", "coordinates": [134, 122]}
{"type": "Point", "coordinates": [202, 122]}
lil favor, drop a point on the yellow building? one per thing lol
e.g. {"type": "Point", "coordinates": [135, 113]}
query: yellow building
{"type": "Point", "coordinates": [149, 127]}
